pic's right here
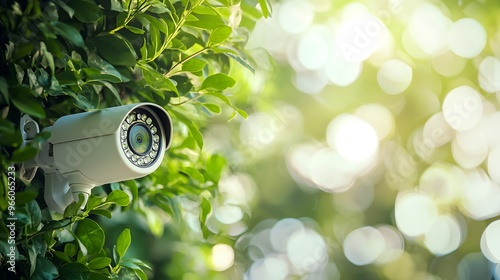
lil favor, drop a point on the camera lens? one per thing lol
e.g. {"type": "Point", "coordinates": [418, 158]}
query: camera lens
{"type": "Point", "coordinates": [139, 138]}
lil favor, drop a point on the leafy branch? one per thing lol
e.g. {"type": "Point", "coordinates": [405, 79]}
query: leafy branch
{"type": "Point", "coordinates": [178, 25]}
{"type": "Point", "coordinates": [132, 11]}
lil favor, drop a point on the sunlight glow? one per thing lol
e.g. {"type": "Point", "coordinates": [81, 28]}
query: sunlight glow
{"type": "Point", "coordinates": [462, 108]}
{"type": "Point", "coordinates": [313, 48]}
{"type": "Point", "coordinates": [443, 236]}
{"type": "Point", "coordinates": [222, 257]}
{"type": "Point", "coordinates": [394, 244]}
{"type": "Point", "coordinates": [429, 29]}
{"type": "Point", "coordinates": [442, 182]}
{"type": "Point", "coordinates": [480, 195]}
{"type": "Point", "coordinates": [394, 76]}
{"type": "Point", "coordinates": [467, 37]}
{"type": "Point", "coordinates": [353, 138]}
{"type": "Point", "coordinates": [489, 74]}
{"type": "Point", "coordinates": [364, 245]}
{"type": "Point", "coordinates": [379, 117]}
{"type": "Point", "coordinates": [295, 16]}
{"type": "Point", "coordinates": [306, 250]}
{"type": "Point", "coordinates": [414, 213]}
{"type": "Point", "coordinates": [436, 131]}
{"type": "Point", "coordinates": [490, 243]}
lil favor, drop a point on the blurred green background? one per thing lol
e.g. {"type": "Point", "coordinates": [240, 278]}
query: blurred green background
{"type": "Point", "coordinates": [371, 151]}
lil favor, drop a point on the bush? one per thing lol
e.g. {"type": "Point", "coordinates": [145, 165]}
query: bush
{"type": "Point", "coordinates": [64, 57]}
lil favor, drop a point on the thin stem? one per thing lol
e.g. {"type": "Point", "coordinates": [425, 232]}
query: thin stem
{"type": "Point", "coordinates": [182, 61]}
{"type": "Point", "coordinates": [70, 221]}
{"type": "Point", "coordinates": [141, 7]}
{"type": "Point", "coordinates": [200, 94]}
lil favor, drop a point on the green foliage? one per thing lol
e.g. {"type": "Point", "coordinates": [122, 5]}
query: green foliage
{"type": "Point", "coordinates": [63, 57]}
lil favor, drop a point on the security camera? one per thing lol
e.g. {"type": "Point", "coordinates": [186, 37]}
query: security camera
{"type": "Point", "coordinates": [95, 148]}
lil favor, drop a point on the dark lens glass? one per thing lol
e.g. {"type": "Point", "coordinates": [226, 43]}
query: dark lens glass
{"type": "Point", "coordinates": [139, 138]}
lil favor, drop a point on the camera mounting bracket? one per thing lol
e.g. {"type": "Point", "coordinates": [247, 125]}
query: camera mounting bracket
{"type": "Point", "coordinates": [29, 129]}
{"type": "Point", "coordinates": [58, 193]}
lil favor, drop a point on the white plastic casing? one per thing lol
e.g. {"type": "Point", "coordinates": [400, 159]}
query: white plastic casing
{"type": "Point", "coordinates": [85, 150]}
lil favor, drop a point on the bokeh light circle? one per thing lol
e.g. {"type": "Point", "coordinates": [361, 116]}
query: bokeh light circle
{"type": "Point", "coordinates": [364, 245]}
{"type": "Point", "coordinates": [394, 76]}
{"type": "Point", "coordinates": [467, 37]}
{"type": "Point", "coordinates": [414, 213]}
{"type": "Point", "coordinates": [490, 243]}
{"type": "Point", "coordinates": [222, 257]}
{"type": "Point", "coordinates": [462, 108]}
{"type": "Point", "coordinates": [353, 138]}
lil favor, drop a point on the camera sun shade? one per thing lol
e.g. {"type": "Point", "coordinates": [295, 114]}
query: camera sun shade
{"type": "Point", "coordinates": [100, 147]}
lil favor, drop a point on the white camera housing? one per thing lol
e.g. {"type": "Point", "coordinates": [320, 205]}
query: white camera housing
{"type": "Point", "coordinates": [95, 148]}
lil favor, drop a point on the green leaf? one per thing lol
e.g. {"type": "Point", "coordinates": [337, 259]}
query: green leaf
{"type": "Point", "coordinates": [194, 65]}
{"type": "Point", "coordinates": [156, 41]}
{"type": "Point", "coordinates": [130, 265]}
{"type": "Point", "coordinates": [90, 235]}
{"type": "Point", "coordinates": [241, 61]}
{"type": "Point", "coordinates": [266, 8]}
{"type": "Point", "coordinates": [219, 35]}
{"type": "Point", "coordinates": [134, 190]}
{"type": "Point", "coordinates": [85, 10]}
{"type": "Point", "coordinates": [116, 5]}
{"type": "Point", "coordinates": [102, 212]}
{"type": "Point", "coordinates": [4, 89]}
{"type": "Point", "coordinates": [242, 113]}
{"type": "Point", "coordinates": [26, 102]}
{"type": "Point", "coordinates": [93, 201]}
{"type": "Point", "coordinates": [56, 224]}
{"type": "Point", "coordinates": [206, 209]}
{"type": "Point", "coordinates": [45, 270]}
{"type": "Point", "coordinates": [62, 256]}
{"type": "Point", "coordinates": [120, 19]}
{"type": "Point", "coordinates": [158, 7]}
{"type": "Point", "coordinates": [23, 154]}
{"type": "Point", "coordinates": [41, 137]}
{"type": "Point", "coordinates": [134, 30]}
{"type": "Point", "coordinates": [25, 197]}
{"type": "Point", "coordinates": [191, 126]}
{"type": "Point", "coordinates": [22, 50]}
{"type": "Point", "coordinates": [123, 242]}
{"type": "Point", "coordinates": [154, 22]}
{"type": "Point", "coordinates": [65, 7]}
{"type": "Point", "coordinates": [215, 165]}
{"type": "Point", "coordinates": [206, 22]}
{"type": "Point", "coordinates": [70, 249]}
{"type": "Point", "coordinates": [115, 49]}
{"type": "Point", "coordinates": [157, 81]}
{"type": "Point", "coordinates": [74, 271]}
{"type": "Point", "coordinates": [218, 82]}
{"type": "Point", "coordinates": [118, 197]}
{"type": "Point", "coordinates": [144, 50]}
{"type": "Point", "coordinates": [35, 213]}
{"type": "Point", "coordinates": [96, 76]}
{"type": "Point", "coordinates": [84, 103]}
{"type": "Point", "coordinates": [96, 61]}
{"type": "Point", "coordinates": [193, 173]}
{"type": "Point", "coordinates": [212, 107]}
{"type": "Point", "coordinates": [154, 222]}
{"type": "Point", "coordinates": [141, 274]}
{"type": "Point", "coordinates": [139, 263]}
{"type": "Point", "coordinates": [98, 263]}
{"type": "Point", "coordinates": [221, 96]}
{"type": "Point", "coordinates": [72, 209]}
{"type": "Point", "coordinates": [68, 32]}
